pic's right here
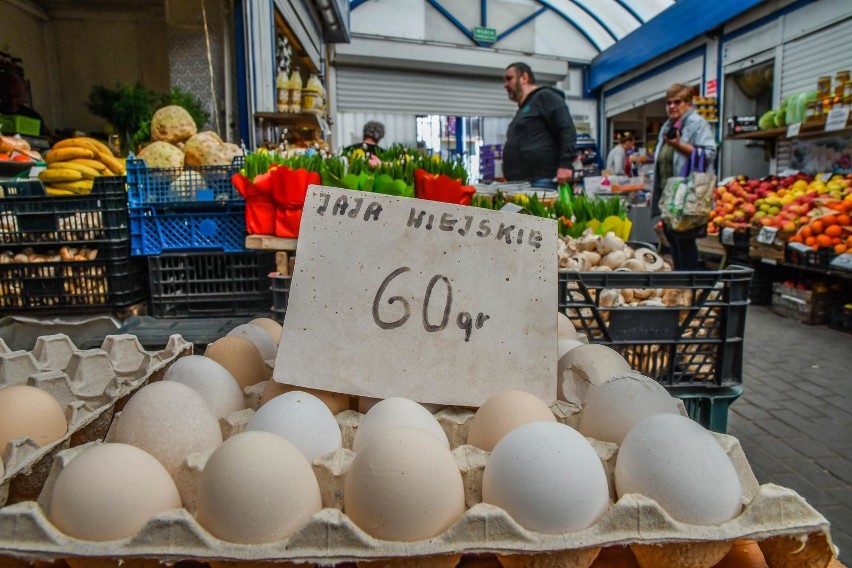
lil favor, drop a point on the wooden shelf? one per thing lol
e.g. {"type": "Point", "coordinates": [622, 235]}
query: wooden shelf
{"type": "Point", "coordinates": [304, 119]}
{"type": "Point", "coordinates": [813, 129]}
{"type": "Point", "coordinates": [270, 242]}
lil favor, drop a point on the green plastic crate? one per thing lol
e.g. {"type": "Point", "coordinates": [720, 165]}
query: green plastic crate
{"type": "Point", "coordinates": [17, 124]}
{"type": "Point", "coordinates": [709, 407]}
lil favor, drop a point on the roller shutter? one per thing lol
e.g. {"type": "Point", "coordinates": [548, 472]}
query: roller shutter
{"type": "Point", "coordinates": [822, 53]}
{"type": "Point", "coordinates": [405, 92]}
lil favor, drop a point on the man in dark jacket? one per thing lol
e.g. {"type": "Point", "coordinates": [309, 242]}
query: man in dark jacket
{"type": "Point", "coordinates": [541, 138]}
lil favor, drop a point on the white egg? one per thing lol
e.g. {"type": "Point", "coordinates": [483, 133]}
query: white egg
{"type": "Point", "coordinates": [260, 338]}
{"type": "Point", "coordinates": [547, 477]}
{"type": "Point", "coordinates": [680, 465]}
{"type": "Point", "coordinates": [613, 408]}
{"type": "Point", "coordinates": [301, 418]}
{"type": "Point", "coordinates": [169, 421]}
{"type": "Point", "coordinates": [256, 487]}
{"type": "Point", "coordinates": [564, 328]}
{"type": "Point", "coordinates": [109, 492]}
{"type": "Point", "coordinates": [212, 381]}
{"type": "Point", "coordinates": [365, 403]}
{"type": "Point", "coordinates": [397, 412]}
{"type": "Point", "coordinates": [270, 326]}
{"type": "Point", "coordinates": [586, 367]}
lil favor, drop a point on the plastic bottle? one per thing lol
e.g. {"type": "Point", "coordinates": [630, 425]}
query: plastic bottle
{"type": "Point", "coordinates": [295, 87]}
{"type": "Point", "coordinates": [282, 91]}
{"type": "Point", "coordinates": [312, 99]}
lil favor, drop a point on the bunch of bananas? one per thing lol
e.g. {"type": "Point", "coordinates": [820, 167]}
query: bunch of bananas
{"type": "Point", "coordinates": [74, 163]}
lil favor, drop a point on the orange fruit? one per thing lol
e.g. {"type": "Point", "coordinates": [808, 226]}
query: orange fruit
{"type": "Point", "coordinates": [823, 241]}
{"type": "Point", "coordinates": [805, 232]}
{"type": "Point", "coordinates": [795, 239]}
{"type": "Point", "coordinates": [833, 231]}
{"type": "Point", "coordinates": [828, 220]}
{"type": "Point", "coordinates": [844, 220]}
{"type": "Point", "coordinates": [816, 227]}
{"type": "Point", "coordinates": [810, 241]}
{"type": "Point", "coordinates": [839, 249]}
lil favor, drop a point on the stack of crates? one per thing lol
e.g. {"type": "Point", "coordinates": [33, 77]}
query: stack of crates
{"type": "Point", "coordinates": [67, 253]}
{"type": "Point", "coordinates": [190, 224]}
{"type": "Point", "coordinates": [692, 344]}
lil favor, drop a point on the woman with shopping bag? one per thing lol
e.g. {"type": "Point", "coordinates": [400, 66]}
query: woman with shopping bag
{"type": "Point", "coordinates": [684, 133]}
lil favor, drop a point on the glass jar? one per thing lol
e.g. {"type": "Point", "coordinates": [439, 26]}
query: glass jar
{"type": "Point", "coordinates": [823, 87]}
{"type": "Point", "coordinates": [841, 78]}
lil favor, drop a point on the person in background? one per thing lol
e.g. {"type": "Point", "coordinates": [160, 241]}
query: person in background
{"type": "Point", "coordinates": [374, 131]}
{"type": "Point", "coordinates": [683, 132]}
{"type": "Point", "coordinates": [13, 97]}
{"type": "Point", "coordinates": [541, 139]}
{"type": "Point", "coordinates": [618, 161]}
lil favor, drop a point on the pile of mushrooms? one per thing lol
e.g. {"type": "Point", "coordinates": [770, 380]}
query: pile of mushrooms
{"type": "Point", "coordinates": [607, 253]}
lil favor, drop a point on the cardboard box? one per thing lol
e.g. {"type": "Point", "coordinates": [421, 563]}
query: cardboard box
{"type": "Point", "coordinates": [805, 306]}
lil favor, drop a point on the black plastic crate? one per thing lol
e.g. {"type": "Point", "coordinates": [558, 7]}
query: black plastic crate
{"type": "Point", "coordinates": [736, 249]}
{"type": "Point", "coordinates": [698, 340]}
{"type": "Point", "coordinates": [28, 216]}
{"type": "Point", "coordinates": [111, 280]}
{"type": "Point", "coordinates": [211, 284]}
{"type": "Point", "coordinates": [280, 295]}
{"type": "Point", "coordinates": [839, 317]}
{"type": "Point", "coordinates": [798, 254]}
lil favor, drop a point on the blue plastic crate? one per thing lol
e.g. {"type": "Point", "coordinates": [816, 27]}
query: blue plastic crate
{"type": "Point", "coordinates": [155, 232]}
{"type": "Point", "coordinates": [186, 186]}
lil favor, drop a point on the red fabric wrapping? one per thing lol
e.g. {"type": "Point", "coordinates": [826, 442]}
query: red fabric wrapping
{"type": "Point", "coordinates": [260, 211]}
{"type": "Point", "coordinates": [289, 188]}
{"type": "Point", "coordinates": [441, 188]}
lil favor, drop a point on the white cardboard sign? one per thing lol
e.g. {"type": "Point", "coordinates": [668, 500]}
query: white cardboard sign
{"type": "Point", "coordinates": [429, 301]}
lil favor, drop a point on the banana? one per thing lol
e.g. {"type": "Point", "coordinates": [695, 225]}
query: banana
{"type": "Point", "coordinates": [94, 164]}
{"type": "Point", "coordinates": [81, 186]}
{"type": "Point", "coordinates": [92, 144]}
{"type": "Point", "coordinates": [52, 175]}
{"type": "Point", "coordinates": [114, 165]}
{"type": "Point", "coordinates": [66, 154]}
{"type": "Point", "coordinates": [56, 191]}
{"type": "Point", "coordinates": [88, 173]}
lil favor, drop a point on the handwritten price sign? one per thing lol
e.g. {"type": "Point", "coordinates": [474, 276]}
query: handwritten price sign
{"type": "Point", "coordinates": [429, 301]}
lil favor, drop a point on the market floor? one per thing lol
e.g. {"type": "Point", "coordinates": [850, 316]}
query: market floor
{"type": "Point", "coordinates": [795, 415]}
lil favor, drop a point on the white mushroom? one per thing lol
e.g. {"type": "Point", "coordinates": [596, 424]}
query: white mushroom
{"type": "Point", "coordinates": [614, 259]}
{"type": "Point", "coordinates": [634, 265]}
{"type": "Point", "coordinates": [601, 268]}
{"type": "Point", "coordinates": [643, 293]}
{"type": "Point", "coordinates": [609, 243]}
{"type": "Point", "coordinates": [652, 260]}
{"type": "Point", "coordinates": [588, 366]}
{"type": "Point", "coordinates": [610, 298]}
{"type": "Point", "coordinates": [627, 294]}
{"type": "Point", "coordinates": [593, 256]}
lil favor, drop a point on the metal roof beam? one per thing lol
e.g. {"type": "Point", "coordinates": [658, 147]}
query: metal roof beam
{"type": "Point", "coordinates": [682, 21]}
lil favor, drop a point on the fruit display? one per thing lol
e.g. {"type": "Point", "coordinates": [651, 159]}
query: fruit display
{"type": "Point", "coordinates": [74, 163]}
{"type": "Point", "coordinates": [831, 230]}
{"type": "Point", "coordinates": [784, 203]}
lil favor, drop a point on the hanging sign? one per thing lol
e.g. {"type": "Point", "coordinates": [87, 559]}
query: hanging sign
{"type": "Point", "coordinates": [429, 301]}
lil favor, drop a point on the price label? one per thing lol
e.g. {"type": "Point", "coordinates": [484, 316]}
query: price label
{"type": "Point", "coordinates": [793, 129]}
{"type": "Point", "coordinates": [842, 262]}
{"type": "Point", "coordinates": [727, 236]}
{"type": "Point", "coordinates": [430, 301]}
{"type": "Point", "coordinates": [766, 235]}
{"type": "Point", "coordinates": [799, 247]}
{"type": "Point", "coordinates": [837, 118]}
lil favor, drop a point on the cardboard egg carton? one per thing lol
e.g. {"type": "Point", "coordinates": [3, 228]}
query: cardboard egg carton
{"type": "Point", "coordinates": [90, 384]}
{"type": "Point", "coordinates": [791, 532]}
